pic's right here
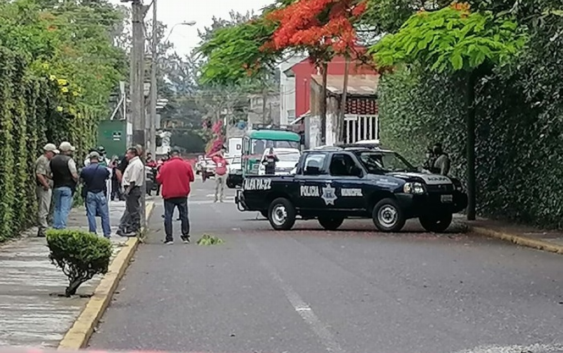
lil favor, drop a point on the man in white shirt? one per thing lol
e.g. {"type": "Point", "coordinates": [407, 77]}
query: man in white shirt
{"type": "Point", "coordinates": [133, 184]}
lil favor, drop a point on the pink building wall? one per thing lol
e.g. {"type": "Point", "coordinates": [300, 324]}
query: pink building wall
{"type": "Point", "coordinates": [303, 71]}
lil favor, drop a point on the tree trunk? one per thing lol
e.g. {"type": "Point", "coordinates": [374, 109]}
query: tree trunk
{"type": "Point", "coordinates": [471, 182]}
{"type": "Point", "coordinates": [73, 287]}
{"type": "Point", "coordinates": [343, 105]}
{"type": "Point", "coordinates": [322, 107]}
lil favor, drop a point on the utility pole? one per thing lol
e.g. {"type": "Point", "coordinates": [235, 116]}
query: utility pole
{"type": "Point", "coordinates": [137, 87]}
{"type": "Point", "coordinates": [154, 88]}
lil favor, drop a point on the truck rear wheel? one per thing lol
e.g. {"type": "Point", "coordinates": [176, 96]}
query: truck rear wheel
{"type": "Point", "coordinates": [436, 223]}
{"type": "Point", "coordinates": [388, 216]}
{"type": "Point", "coordinates": [281, 214]}
{"type": "Point", "coordinates": [331, 223]}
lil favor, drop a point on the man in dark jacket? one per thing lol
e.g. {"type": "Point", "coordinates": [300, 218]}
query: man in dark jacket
{"type": "Point", "coordinates": [65, 178]}
{"type": "Point", "coordinates": [95, 177]}
{"type": "Point", "coordinates": [175, 177]}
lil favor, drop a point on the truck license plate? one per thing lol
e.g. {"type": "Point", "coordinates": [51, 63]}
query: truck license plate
{"type": "Point", "coordinates": [447, 198]}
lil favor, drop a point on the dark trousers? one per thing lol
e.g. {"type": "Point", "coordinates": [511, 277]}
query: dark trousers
{"type": "Point", "coordinates": [131, 219]}
{"type": "Point", "coordinates": [116, 190]}
{"type": "Point", "coordinates": [169, 205]}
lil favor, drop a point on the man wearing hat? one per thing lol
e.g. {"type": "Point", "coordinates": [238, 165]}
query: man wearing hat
{"type": "Point", "coordinates": [44, 187]}
{"type": "Point", "coordinates": [65, 178]}
{"type": "Point", "coordinates": [95, 178]}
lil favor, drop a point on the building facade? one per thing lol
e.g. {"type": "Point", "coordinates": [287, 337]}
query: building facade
{"type": "Point", "coordinates": [303, 71]}
{"type": "Point", "coordinates": [361, 120]}
{"type": "Point", "coordinates": [287, 90]}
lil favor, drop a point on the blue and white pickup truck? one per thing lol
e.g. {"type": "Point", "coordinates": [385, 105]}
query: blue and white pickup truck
{"type": "Point", "coordinates": [333, 184]}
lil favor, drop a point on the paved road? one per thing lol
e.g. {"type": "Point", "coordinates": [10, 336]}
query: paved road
{"type": "Point", "coordinates": [314, 291]}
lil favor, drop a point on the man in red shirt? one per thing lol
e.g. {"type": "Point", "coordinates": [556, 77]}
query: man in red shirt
{"type": "Point", "coordinates": [175, 177]}
{"type": "Point", "coordinates": [220, 174]}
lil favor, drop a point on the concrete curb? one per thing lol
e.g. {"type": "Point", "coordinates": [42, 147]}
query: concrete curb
{"type": "Point", "coordinates": [83, 328]}
{"type": "Point", "coordinates": [518, 239]}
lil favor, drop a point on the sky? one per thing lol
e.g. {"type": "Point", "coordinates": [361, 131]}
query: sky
{"type": "Point", "coordinates": [185, 38]}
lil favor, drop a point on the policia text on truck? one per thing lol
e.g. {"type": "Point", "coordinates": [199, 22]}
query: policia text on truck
{"type": "Point", "coordinates": [338, 183]}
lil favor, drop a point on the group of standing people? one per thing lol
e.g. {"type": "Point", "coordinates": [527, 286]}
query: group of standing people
{"type": "Point", "coordinates": [58, 178]}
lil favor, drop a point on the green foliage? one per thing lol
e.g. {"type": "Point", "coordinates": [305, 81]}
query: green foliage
{"type": "Point", "coordinates": [235, 53]}
{"type": "Point", "coordinates": [80, 255]}
{"type": "Point", "coordinates": [519, 122]}
{"type": "Point", "coordinates": [451, 40]}
{"type": "Point", "coordinates": [207, 240]}
{"type": "Point", "coordinates": [58, 67]}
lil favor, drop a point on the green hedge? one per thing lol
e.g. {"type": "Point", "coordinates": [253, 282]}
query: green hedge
{"type": "Point", "coordinates": [28, 120]}
{"type": "Point", "coordinates": [519, 147]}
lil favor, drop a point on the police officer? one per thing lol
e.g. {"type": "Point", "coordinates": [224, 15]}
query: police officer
{"type": "Point", "coordinates": [441, 163]}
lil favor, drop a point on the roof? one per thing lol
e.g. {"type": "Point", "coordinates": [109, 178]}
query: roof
{"type": "Point", "coordinates": [358, 85]}
{"type": "Point", "coordinates": [273, 135]}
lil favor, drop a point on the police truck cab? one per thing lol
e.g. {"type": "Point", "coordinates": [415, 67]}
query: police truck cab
{"type": "Point", "coordinates": [333, 184]}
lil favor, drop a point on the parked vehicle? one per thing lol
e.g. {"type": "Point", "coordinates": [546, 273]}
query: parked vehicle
{"type": "Point", "coordinates": [234, 178]}
{"type": "Point", "coordinates": [287, 160]}
{"type": "Point", "coordinates": [207, 168]}
{"type": "Point", "coordinates": [257, 141]}
{"type": "Point", "coordinates": [338, 183]}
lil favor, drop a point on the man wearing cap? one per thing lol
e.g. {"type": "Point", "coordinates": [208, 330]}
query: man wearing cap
{"type": "Point", "coordinates": [95, 177]}
{"type": "Point", "coordinates": [44, 187]}
{"type": "Point", "coordinates": [65, 178]}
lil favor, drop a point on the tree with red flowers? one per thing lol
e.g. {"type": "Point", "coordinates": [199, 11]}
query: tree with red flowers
{"type": "Point", "coordinates": [322, 28]}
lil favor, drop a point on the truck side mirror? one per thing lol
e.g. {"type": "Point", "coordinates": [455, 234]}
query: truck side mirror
{"type": "Point", "coordinates": [357, 171]}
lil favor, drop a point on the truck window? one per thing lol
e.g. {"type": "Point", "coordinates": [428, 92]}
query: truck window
{"type": "Point", "coordinates": [314, 164]}
{"type": "Point", "coordinates": [343, 165]}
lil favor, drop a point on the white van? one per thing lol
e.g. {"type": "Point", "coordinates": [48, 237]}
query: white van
{"type": "Point", "coordinates": [287, 159]}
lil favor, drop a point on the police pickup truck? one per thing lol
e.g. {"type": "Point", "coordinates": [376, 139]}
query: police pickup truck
{"type": "Point", "coordinates": [338, 183]}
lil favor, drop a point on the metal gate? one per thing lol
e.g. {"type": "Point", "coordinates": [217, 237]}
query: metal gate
{"type": "Point", "coordinates": [360, 127]}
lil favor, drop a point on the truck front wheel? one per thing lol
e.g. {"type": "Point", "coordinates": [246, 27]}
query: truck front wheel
{"type": "Point", "coordinates": [388, 216]}
{"type": "Point", "coordinates": [281, 214]}
{"type": "Point", "coordinates": [436, 223]}
{"type": "Point", "coordinates": [331, 223]}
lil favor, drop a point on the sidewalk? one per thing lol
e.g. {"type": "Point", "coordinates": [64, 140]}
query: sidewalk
{"type": "Point", "coordinates": [548, 240]}
{"type": "Point", "coordinates": [31, 312]}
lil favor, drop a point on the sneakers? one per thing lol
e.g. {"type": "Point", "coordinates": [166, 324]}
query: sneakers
{"type": "Point", "coordinates": [185, 240]}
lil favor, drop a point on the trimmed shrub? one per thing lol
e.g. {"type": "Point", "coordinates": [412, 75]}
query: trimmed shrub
{"type": "Point", "coordinates": [80, 255]}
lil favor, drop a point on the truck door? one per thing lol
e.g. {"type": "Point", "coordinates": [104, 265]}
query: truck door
{"type": "Point", "coordinates": [347, 179]}
{"type": "Point", "coordinates": [311, 177]}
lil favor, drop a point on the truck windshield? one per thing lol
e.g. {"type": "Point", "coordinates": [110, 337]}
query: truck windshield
{"type": "Point", "coordinates": [288, 157]}
{"type": "Point", "coordinates": [377, 162]}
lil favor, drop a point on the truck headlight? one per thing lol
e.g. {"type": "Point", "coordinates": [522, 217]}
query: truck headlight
{"type": "Point", "coordinates": [413, 188]}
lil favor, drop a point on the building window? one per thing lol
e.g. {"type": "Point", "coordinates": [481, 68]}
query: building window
{"type": "Point", "coordinates": [291, 115]}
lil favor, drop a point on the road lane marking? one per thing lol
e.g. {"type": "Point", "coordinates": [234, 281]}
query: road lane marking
{"type": "Point", "coordinates": [299, 305]}
{"type": "Point", "coordinates": [535, 348]}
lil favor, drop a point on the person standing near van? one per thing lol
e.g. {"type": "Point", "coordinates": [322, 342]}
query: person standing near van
{"type": "Point", "coordinates": [220, 174]}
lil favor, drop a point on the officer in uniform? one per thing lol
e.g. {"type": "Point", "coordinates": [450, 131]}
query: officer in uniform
{"type": "Point", "coordinates": [438, 162]}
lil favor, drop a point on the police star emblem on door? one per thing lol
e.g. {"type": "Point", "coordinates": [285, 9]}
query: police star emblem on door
{"type": "Point", "coordinates": [329, 195]}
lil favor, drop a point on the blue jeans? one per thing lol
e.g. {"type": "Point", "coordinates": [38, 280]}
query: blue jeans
{"type": "Point", "coordinates": [169, 205]}
{"type": "Point", "coordinates": [63, 204]}
{"type": "Point", "coordinates": [97, 204]}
